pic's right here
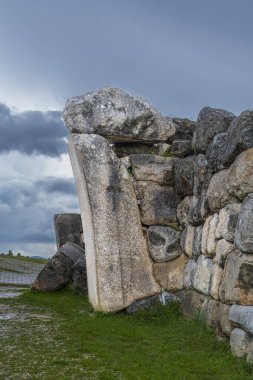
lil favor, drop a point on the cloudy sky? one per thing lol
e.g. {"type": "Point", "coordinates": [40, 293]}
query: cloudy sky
{"type": "Point", "coordinates": [181, 55]}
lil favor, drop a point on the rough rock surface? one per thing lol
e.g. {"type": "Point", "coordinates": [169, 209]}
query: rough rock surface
{"type": "Point", "coordinates": [184, 176]}
{"type": "Point", "coordinates": [223, 248]}
{"type": "Point", "coordinates": [147, 167]}
{"type": "Point", "coordinates": [210, 122]}
{"type": "Point", "coordinates": [59, 270]}
{"type": "Point", "coordinates": [126, 149]}
{"type": "Point", "coordinates": [119, 269]}
{"type": "Point", "coordinates": [170, 275]}
{"type": "Point", "coordinates": [237, 283]}
{"type": "Point", "coordinates": [185, 129]}
{"type": "Point", "coordinates": [240, 178]}
{"type": "Point", "coordinates": [244, 227]}
{"type": "Point", "coordinates": [189, 273]}
{"type": "Point", "coordinates": [225, 324]}
{"type": "Point", "coordinates": [191, 302]}
{"type": "Point", "coordinates": [68, 228]}
{"type": "Point", "coordinates": [240, 343]}
{"type": "Point", "coordinates": [203, 274]}
{"type": "Point", "coordinates": [183, 211]}
{"type": "Point", "coordinates": [215, 152]}
{"type": "Point", "coordinates": [215, 280]}
{"type": "Point", "coordinates": [196, 249]}
{"type": "Point", "coordinates": [187, 240]}
{"type": "Point", "coordinates": [242, 316]}
{"type": "Point", "coordinates": [217, 193]}
{"type": "Point", "coordinates": [181, 148]}
{"type": "Point", "coordinates": [208, 243]}
{"type": "Point", "coordinates": [163, 243]}
{"type": "Point", "coordinates": [115, 114]}
{"type": "Point", "coordinates": [158, 204]}
{"type": "Point", "coordinates": [239, 137]}
{"type": "Point", "coordinates": [227, 222]}
{"type": "Point", "coordinates": [79, 278]}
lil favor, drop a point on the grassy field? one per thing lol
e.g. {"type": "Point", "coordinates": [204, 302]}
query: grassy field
{"type": "Point", "coordinates": [73, 342]}
{"type": "Point", "coordinates": [24, 258]}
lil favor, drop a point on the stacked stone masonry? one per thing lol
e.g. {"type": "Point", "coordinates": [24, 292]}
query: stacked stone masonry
{"type": "Point", "coordinates": [166, 206]}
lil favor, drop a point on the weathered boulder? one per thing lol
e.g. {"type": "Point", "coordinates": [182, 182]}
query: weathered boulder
{"type": "Point", "coordinates": [59, 270]}
{"type": "Point", "coordinates": [239, 137]}
{"type": "Point", "coordinates": [147, 167]}
{"type": "Point", "coordinates": [143, 304]}
{"type": "Point", "coordinates": [203, 274]}
{"type": "Point", "coordinates": [68, 228]}
{"type": "Point", "coordinates": [217, 193]}
{"type": "Point", "coordinates": [158, 204]}
{"type": "Point", "coordinates": [189, 273]}
{"type": "Point", "coordinates": [182, 148]}
{"type": "Point", "coordinates": [244, 227]}
{"type": "Point", "coordinates": [227, 222]}
{"type": "Point", "coordinates": [240, 178]}
{"type": "Point", "coordinates": [197, 242]}
{"type": "Point", "coordinates": [215, 152]}
{"type": "Point", "coordinates": [185, 129]}
{"type": "Point", "coordinates": [223, 248]}
{"type": "Point", "coordinates": [118, 116]}
{"type": "Point", "coordinates": [183, 211]}
{"type": "Point", "coordinates": [212, 314]}
{"type": "Point", "coordinates": [79, 277]}
{"type": "Point", "coordinates": [225, 324]}
{"type": "Point", "coordinates": [187, 240]}
{"type": "Point", "coordinates": [192, 302]}
{"type": "Point", "coordinates": [210, 122]}
{"type": "Point", "coordinates": [241, 343]}
{"type": "Point", "coordinates": [208, 242]}
{"type": "Point", "coordinates": [170, 275]}
{"type": "Point", "coordinates": [242, 316]}
{"type": "Point", "coordinates": [237, 283]}
{"type": "Point", "coordinates": [163, 243]}
{"type": "Point", "coordinates": [119, 269]}
{"type": "Point", "coordinates": [215, 280]}
{"type": "Point", "coordinates": [184, 175]}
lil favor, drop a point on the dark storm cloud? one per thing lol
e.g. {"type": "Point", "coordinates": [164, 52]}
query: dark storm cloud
{"type": "Point", "coordinates": [32, 132]}
{"type": "Point", "coordinates": [27, 208]}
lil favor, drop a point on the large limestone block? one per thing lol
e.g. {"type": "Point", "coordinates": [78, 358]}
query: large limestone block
{"type": "Point", "coordinates": [237, 283]}
{"type": "Point", "coordinates": [203, 274]}
{"type": "Point", "coordinates": [217, 193]}
{"type": "Point", "coordinates": [239, 137]}
{"type": "Point", "coordinates": [210, 122]}
{"type": "Point", "coordinates": [117, 115]}
{"type": "Point", "coordinates": [242, 316]}
{"type": "Point", "coordinates": [244, 227]}
{"type": "Point", "coordinates": [170, 275]}
{"type": "Point", "coordinates": [68, 228]}
{"type": "Point", "coordinates": [208, 243]}
{"type": "Point", "coordinates": [119, 269]}
{"type": "Point", "coordinates": [148, 167]}
{"type": "Point", "coordinates": [163, 243]}
{"type": "Point", "coordinates": [239, 181]}
{"type": "Point", "coordinates": [158, 204]}
{"type": "Point", "coordinates": [227, 222]}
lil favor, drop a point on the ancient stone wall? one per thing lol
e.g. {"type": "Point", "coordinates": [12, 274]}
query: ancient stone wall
{"type": "Point", "coordinates": [167, 208]}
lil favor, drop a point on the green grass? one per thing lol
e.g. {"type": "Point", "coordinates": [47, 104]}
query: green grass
{"type": "Point", "coordinates": [24, 258]}
{"type": "Point", "coordinates": [10, 270]}
{"type": "Point", "coordinates": [77, 343]}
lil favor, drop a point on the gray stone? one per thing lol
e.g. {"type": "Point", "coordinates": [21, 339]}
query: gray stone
{"type": "Point", "coordinates": [215, 280]}
{"type": "Point", "coordinates": [208, 242]}
{"type": "Point", "coordinates": [203, 274]}
{"type": "Point", "coordinates": [119, 269]}
{"type": "Point", "coordinates": [237, 283]}
{"type": "Point", "coordinates": [189, 273]}
{"type": "Point", "coordinates": [163, 243]}
{"type": "Point", "coordinates": [200, 173]}
{"type": "Point", "coordinates": [182, 148]}
{"type": "Point", "coordinates": [185, 129]}
{"type": "Point", "coordinates": [239, 181]}
{"type": "Point", "coordinates": [191, 302]}
{"type": "Point", "coordinates": [244, 227]}
{"type": "Point", "coordinates": [223, 248]}
{"type": "Point", "coordinates": [183, 211]}
{"type": "Point", "coordinates": [126, 162]}
{"type": "Point", "coordinates": [143, 304]}
{"type": "Point", "coordinates": [212, 314]}
{"type": "Point", "coordinates": [72, 251]}
{"type": "Point", "coordinates": [239, 137]}
{"type": "Point", "coordinates": [126, 149]}
{"type": "Point", "coordinates": [210, 122]}
{"type": "Point", "coordinates": [242, 316]}
{"type": "Point", "coordinates": [115, 114]}
{"type": "Point", "coordinates": [170, 275]}
{"type": "Point", "coordinates": [79, 278]}
{"type": "Point", "coordinates": [147, 167]}
{"type": "Point", "coordinates": [215, 152]}
{"type": "Point", "coordinates": [227, 222]}
{"type": "Point", "coordinates": [217, 193]}
{"type": "Point", "coordinates": [240, 343]}
{"type": "Point", "coordinates": [184, 176]}
{"type": "Point", "coordinates": [68, 228]}
{"type": "Point", "coordinates": [56, 274]}
{"type": "Point", "coordinates": [188, 239]}
{"type": "Point", "coordinates": [225, 324]}
{"type": "Point", "coordinates": [197, 241]}
{"type": "Point", "coordinates": [158, 204]}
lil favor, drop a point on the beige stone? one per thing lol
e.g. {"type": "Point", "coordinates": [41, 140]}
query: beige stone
{"type": "Point", "coordinates": [119, 269]}
{"type": "Point", "coordinates": [215, 281]}
{"type": "Point", "coordinates": [223, 248]}
{"type": "Point", "coordinates": [208, 235]}
{"type": "Point", "coordinates": [203, 274]}
{"type": "Point", "coordinates": [170, 275]}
